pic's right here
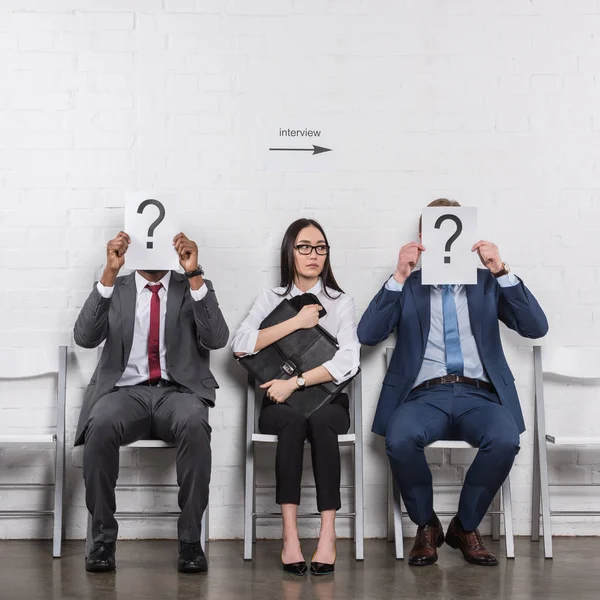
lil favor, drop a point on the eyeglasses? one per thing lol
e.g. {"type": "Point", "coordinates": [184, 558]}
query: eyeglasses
{"type": "Point", "coordinates": [306, 249]}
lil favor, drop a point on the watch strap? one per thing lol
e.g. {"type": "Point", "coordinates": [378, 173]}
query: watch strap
{"type": "Point", "coordinates": [194, 273]}
{"type": "Point", "coordinates": [505, 270]}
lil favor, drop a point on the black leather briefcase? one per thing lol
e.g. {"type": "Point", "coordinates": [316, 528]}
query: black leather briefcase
{"type": "Point", "coordinates": [295, 354]}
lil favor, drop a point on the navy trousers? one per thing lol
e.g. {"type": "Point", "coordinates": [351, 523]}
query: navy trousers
{"type": "Point", "coordinates": [457, 412]}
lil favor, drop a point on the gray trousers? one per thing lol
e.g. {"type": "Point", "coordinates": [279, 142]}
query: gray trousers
{"type": "Point", "coordinates": [131, 413]}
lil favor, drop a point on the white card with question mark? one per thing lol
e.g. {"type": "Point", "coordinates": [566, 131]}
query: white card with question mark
{"type": "Point", "coordinates": [152, 220]}
{"type": "Point", "coordinates": [448, 236]}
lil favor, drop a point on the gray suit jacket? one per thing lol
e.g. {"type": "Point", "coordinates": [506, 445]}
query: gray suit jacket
{"type": "Point", "coordinates": [192, 329]}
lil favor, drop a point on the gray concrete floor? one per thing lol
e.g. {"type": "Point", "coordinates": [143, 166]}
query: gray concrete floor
{"type": "Point", "coordinates": [147, 570]}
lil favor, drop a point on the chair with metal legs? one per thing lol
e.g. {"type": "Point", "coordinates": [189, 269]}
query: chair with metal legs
{"type": "Point", "coordinates": [20, 364]}
{"type": "Point", "coordinates": [502, 504]}
{"type": "Point", "coordinates": [568, 365]}
{"type": "Point", "coordinates": [354, 439]}
{"type": "Point", "coordinates": [154, 486]}
{"type": "Point", "coordinates": [147, 443]}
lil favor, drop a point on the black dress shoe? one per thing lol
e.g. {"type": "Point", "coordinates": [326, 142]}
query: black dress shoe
{"type": "Point", "coordinates": [191, 558]}
{"type": "Point", "coordinates": [101, 559]}
{"type": "Point", "coordinates": [296, 568]}
{"type": "Point", "coordinates": [319, 568]}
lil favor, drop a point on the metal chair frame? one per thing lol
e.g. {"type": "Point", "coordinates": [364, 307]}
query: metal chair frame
{"type": "Point", "coordinates": [569, 364]}
{"type": "Point", "coordinates": [502, 502]}
{"type": "Point", "coordinates": [354, 439]}
{"type": "Point", "coordinates": [23, 364]}
{"type": "Point", "coordinates": [147, 443]}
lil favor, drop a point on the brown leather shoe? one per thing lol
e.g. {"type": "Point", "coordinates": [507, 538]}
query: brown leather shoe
{"type": "Point", "coordinates": [470, 544]}
{"type": "Point", "coordinates": [428, 539]}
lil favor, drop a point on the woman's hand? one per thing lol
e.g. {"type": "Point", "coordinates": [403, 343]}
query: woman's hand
{"type": "Point", "coordinates": [279, 390]}
{"type": "Point", "coordinates": [308, 316]}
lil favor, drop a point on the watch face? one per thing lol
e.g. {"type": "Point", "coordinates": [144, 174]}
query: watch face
{"type": "Point", "coordinates": [301, 381]}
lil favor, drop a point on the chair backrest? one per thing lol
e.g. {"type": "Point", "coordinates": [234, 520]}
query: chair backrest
{"type": "Point", "coordinates": [24, 363]}
{"type": "Point", "coordinates": [255, 395]}
{"type": "Point", "coordinates": [570, 363]}
{"type": "Point", "coordinates": [21, 363]}
{"type": "Point", "coordinates": [565, 365]}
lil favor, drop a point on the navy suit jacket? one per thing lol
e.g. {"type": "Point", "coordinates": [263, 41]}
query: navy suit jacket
{"type": "Point", "coordinates": [408, 312]}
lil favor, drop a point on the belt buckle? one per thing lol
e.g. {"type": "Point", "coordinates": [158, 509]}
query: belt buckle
{"type": "Point", "coordinates": [449, 378]}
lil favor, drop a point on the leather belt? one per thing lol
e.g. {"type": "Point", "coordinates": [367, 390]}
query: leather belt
{"type": "Point", "coordinates": [158, 383]}
{"type": "Point", "coordinates": [456, 379]}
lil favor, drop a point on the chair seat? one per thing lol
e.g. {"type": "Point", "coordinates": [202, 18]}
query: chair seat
{"type": "Point", "coordinates": [450, 444]}
{"type": "Point", "coordinates": [27, 438]}
{"type": "Point", "coordinates": [264, 438]}
{"type": "Point", "coordinates": [563, 440]}
{"type": "Point", "coordinates": [150, 444]}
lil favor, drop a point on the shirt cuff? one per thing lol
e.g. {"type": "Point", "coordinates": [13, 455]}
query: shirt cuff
{"type": "Point", "coordinates": [337, 376]}
{"type": "Point", "coordinates": [246, 344]}
{"type": "Point", "coordinates": [199, 294]}
{"type": "Point", "coordinates": [104, 290]}
{"type": "Point", "coordinates": [508, 280]}
{"type": "Point", "coordinates": [393, 286]}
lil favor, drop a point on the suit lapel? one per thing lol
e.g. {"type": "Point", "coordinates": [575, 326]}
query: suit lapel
{"type": "Point", "coordinates": [422, 296]}
{"type": "Point", "coordinates": [177, 287]}
{"type": "Point", "coordinates": [475, 302]}
{"type": "Point", "coordinates": [127, 298]}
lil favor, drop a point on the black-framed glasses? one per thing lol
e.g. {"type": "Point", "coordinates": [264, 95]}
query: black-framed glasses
{"type": "Point", "coordinates": [306, 249]}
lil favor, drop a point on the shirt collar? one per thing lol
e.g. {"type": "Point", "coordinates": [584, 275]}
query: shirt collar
{"type": "Point", "coordinates": [315, 289]}
{"type": "Point", "coordinates": [141, 283]}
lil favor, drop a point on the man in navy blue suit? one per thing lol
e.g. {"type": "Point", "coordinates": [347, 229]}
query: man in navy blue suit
{"type": "Point", "coordinates": [449, 379]}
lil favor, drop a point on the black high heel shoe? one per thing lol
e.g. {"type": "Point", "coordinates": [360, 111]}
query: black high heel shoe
{"type": "Point", "coordinates": [296, 568]}
{"type": "Point", "coordinates": [319, 568]}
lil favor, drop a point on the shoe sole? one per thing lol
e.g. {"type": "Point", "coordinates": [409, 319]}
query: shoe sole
{"type": "Point", "coordinates": [100, 569]}
{"type": "Point", "coordinates": [190, 569]}
{"type": "Point", "coordinates": [316, 574]}
{"type": "Point", "coordinates": [423, 563]}
{"type": "Point", "coordinates": [294, 573]}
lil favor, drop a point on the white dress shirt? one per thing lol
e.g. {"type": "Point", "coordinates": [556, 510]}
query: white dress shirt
{"type": "Point", "coordinates": [434, 361]}
{"type": "Point", "coordinates": [137, 369]}
{"type": "Point", "coordinates": [340, 321]}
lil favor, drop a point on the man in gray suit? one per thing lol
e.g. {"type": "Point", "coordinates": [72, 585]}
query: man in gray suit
{"type": "Point", "coordinates": [152, 380]}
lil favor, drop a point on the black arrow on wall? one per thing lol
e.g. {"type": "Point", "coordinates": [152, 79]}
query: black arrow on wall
{"type": "Point", "coordinates": [314, 149]}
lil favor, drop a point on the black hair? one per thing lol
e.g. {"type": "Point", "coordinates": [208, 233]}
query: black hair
{"type": "Point", "coordinates": [288, 264]}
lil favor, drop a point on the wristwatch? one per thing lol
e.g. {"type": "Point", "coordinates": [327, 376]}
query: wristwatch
{"type": "Point", "coordinates": [301, 382]}
{"type": "Point", "coordinates": [195, 272]}
{"type": "Point", "coordinates": [505, 270]}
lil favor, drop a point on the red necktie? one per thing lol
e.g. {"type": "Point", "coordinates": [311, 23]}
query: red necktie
{"type": "Point", "coordinates": [154, 334]}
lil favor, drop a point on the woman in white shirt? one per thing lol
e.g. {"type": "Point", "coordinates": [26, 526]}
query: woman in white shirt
{"type": "Point", "coordinates": [305, 267]}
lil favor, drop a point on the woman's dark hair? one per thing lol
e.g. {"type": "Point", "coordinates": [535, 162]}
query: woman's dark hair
{"type": "Point", "coordinates": [288, 265]}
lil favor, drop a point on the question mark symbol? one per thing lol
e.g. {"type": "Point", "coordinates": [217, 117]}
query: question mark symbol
{"type": "Point", "coordinates": [454, 236]}
{"type": "Point", "coordinates": [157, 221]}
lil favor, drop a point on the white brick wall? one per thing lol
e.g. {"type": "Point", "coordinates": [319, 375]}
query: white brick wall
{"type": "Point", "coordinates": [492, 103]}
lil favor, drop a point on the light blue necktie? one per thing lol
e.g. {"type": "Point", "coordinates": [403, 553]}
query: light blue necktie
{"type": "Point", "coordinates": [454, 357]}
